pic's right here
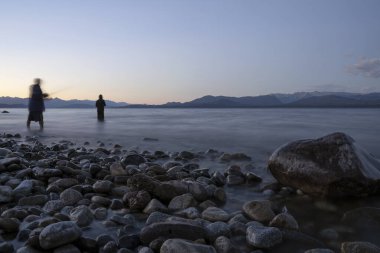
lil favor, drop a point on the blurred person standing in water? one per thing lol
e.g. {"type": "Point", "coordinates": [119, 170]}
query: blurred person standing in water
{"type": "Point", "coordinates": [36, 103]}
{"type": "Point", "coordinates": [100, 104]}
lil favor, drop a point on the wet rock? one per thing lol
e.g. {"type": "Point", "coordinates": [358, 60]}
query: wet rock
{"type": "Point", "coordinates": [155, 205]}
{"type": "Point", "coordinates": [263, 237]}
{"type": "Point", "coordinates": [172, 230]}
{"type": "Point", "coordinates": [156, 217]}
{"type": "Point", "coordinates": [70, 197]}
{"type": "Point", "coordinates": [103, 201]}
{"type": "Point", "coordinates": [329, 234]}
{"type": "Point", "coordinates": [6, 247]}
{"type": "Point", "coordinates": [58, 234]}
{"type": "Point", "coordinates": [284, 220]}
{"type": "Point", "coordinates": [103, 186]}
{"type": "Point", "coordinates": [145, 250]}
{"type": "Point", "coordinates": [116, 204]}
{"type": "Point", "coordinates": [182, 202]}
{"type": "Point", "coordinates": [67, 249]}
{"type": "Point", "coordinates": [133, 160]}
{"type": "Point", "coordinates": [129, 241]}
{"type": "Point", "coordinates": [359, 247]}
{"type": "Point", "coordinates": [117, 169]}
{"type": "Point", "coordinates": [53, 206]}
{"type": "Point", "coordinates": [223, 244]}
{"type": "Point", "coordinates": [137, 200]}
{"type": "Point", "coordinates": [24, 188]}
{"type": "Point", "coordinates": [216, 229]}
{"type": "Point", "coordinates": [103, 239]}
{"type": "Point", "coordinates": [36, 200]}
{"type": "Point", "coordinates": [215, 214]}
{"type": "Point", "coordinates": [253, 178]}
{"type": "Point", "coordinates": [329, 166]}
{"type": "Point", "coordinates": [190, 213]}
{"type": "Point", "coordinates": [100, 213]}
{"type": "Point", "coordinates": [81, 215]}
{"type": "Point", "coordinates": [259, 210]}
{"type": "Point", "coordinates": [5, 194]}
{"type": "Point", "coordinates": [9, 225]}
{"type": "Point", "coordinates": [65, 183]}
{"type": "Point", "coordinates": [218, 179]}
{"type": "Point", "coordinates": [110, 247]}
{"type": "Point", "coordinates": [235, 180]}
{"type": "Point", "coordinates": [178, 245]}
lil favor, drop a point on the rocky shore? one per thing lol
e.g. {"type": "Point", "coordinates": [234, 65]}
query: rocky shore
{"type": "Point", "coordinates": [64, 198]}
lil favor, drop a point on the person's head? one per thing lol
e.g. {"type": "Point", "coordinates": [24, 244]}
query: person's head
{"type": "Point", "coordinates": [37, 81]}
{"type": "Point", "coordinates": [100, 96]}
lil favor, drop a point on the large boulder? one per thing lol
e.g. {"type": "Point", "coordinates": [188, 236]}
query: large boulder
{"type": "Point", "coordinates": [331, 166]}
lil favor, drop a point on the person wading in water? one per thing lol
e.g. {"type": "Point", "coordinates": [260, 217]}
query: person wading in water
{"type": "Point", "coordinates": [100, 104]}
{"type": "Point", "coordinates": [36, 104]}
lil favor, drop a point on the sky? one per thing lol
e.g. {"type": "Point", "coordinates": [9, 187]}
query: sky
{"type": "Point", "coordinates": [159, 51]}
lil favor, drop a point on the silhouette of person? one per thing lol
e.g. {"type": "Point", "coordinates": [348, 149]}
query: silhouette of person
{"type": "Point", "coordinates": [100, 104]}
{"type": "Point", "coordinates": [36, 104]}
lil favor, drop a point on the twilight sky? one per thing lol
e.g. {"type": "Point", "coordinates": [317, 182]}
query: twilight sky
{"type": "Point", "coordinates": [177, 50]}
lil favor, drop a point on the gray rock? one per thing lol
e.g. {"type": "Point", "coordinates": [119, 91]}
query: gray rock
{"type": "Point", "coordinates": [133, 160]}
{"type": "Point", "coordinates": [53, 206]}
{"type": "Point", "coordinates": [216, 229]}
{"type": "Point", "coordinates": [6, 247]}
{"type": "Point", "coordinates": [67, 249]}
{"type": "Point", "coordinates": [329, 166]}
{"type": "Point", "coordinates": [190, 213]}
{"type": "Point", "coordinates": [137, 200]}
{"type": "Point", "coordinates": [117, 169]}
{"type": "Point", "coordinates": [156, 217]}
{"type": "Point", "coordinates": [103, 201]}
{"type": "Point", "coordinates": [5, 194]}
{"type": "Point", "coordinates": [24, 188]}
{"type": "Point", "coordinates": [215, 214]}
{"type": "Point", "coordinates": [284, 220]}
{"type": "Point", "coordinates": [259, 210]}
{"type": "Point", "coordinates": [359, 247]}
{"type": "Point", "coordinates": [145, 250]}
{"type": "Point", "coordinates": [172, 229]}
{"type": "Point", "coordinates": [35, 200]}
{"type": "Point", "coordinates": [223, 244]}
{"type": "Point", "coordinates": [235, 180]}
{"type": "Point", "coordinates": [70, 197]}
{"type": "Point", "coordinates": [103, 186]}
{"type": "Point", "coordinates": [182, 202]}
{"type": "Point", "coordinates": [57, 234]}
{"type": "Point", "coordinates": [100, 213]}
{"type": "Point", "coordinates": [155, 205]}
{"type": "Point", "coordinates": [263, 237]}
{"type": "Point", "coordinates": [81, 215]}
{"type": "Point", "coordinates": [178, 245]}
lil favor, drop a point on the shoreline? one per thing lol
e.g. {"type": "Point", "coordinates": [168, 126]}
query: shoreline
{"type": "Point", "coordinates": [134, 198]}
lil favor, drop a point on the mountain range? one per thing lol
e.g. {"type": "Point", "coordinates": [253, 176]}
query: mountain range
{"type": "Point", "coordinates": [14, 102]}
{"type": "Point", "coordinates": [299, 99]}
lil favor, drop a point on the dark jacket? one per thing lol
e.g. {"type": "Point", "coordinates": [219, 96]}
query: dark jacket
{"type": "Point", "coordinates": [36, 100]}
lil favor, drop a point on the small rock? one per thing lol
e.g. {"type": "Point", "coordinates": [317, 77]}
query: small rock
{"type": "Point", "coordinates": [178, 245]}
{"type": "Point", "coordinates": [359, 247]}
{"type": "Point", "coordinates": [263, 237]}
{"type": "Point", "coordinates": [259, 210]}
{"type": "Point", "coordinates": [58, 234]}
{"type": "Point", "coordinates": [215, 214]}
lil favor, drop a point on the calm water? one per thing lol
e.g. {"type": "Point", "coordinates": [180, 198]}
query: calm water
{"type": "Point", "coordinates": [256, 132]}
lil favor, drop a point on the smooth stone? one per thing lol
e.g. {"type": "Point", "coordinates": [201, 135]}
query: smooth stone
{"type": "Point", "coordinates": [284, 220]}
{"type": "Point", "coordinates": [359, 247]}
{"type": "Point", "coordinates": [65, 183]}
{"type": "Point", "coordinates": [190, 213]}
{"type": "Point", "coordinates": [129, 241]}
{"type": "Point", "coordinates": [216, 229]}
{"type": "Point", "coordinates": [333, 166]}
{"type": "Point", "coordinates": [259, 210]}
{"type": "Point", "coordinates": [155, 205]}
{"type": "Point", "coordinates": [103, 201]}
{"type": "Point", "coordinates": [9, 225]}
{"type": "Point", "coordinates": [178, 245]}
{"type": "Point", "coordinates": [100, 213]}
{"type": "Point", "coordinates": [67, 249]}
{"type": "Point", "coordinates": [215, 214]}
{"type": "Point", "coordinates": [133, 160]}
{"type": "Point", "coordinates": [117, 169]}
{"type": "Point", "coordinates": [70, 197]}
{"type": "Point", "coordinates": [24, 188]}
{"type": "Point", "coordinates": [145, 250]}
{"type": "Point", "coordinates": [58, 234]}
{"type": "Point", "coordinates": [5, 194]}
{"type": "Point", "coordinates": [103, 186]}
{"type": "Point", "coordinates": [53, 206]}
{"type": "Point", "coordinates": [6, 247]}
{"type": "Point", "coordinates": [172, 229]}
{"type": "Point", "coordinates": [182, 202]}
{"type": "Point", "coordinates": [35, 200]}
{"type": "Point", "coordinates": [156, 217]}
{"type": "Point", "coordinates": [223, 244]}
{"type": "Point", "coordinates": [263, 237]}
{"type": "Point", "coordinates": [81, 215]}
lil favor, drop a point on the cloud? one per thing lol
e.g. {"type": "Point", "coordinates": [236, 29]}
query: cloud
{"type": "Point", "coordinates": [366, 67]}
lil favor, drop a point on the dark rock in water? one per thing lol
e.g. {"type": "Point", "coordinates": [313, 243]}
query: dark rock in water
{"type": "Point", "coordinates": [81, 215]}
{"type": "Point", "coordinates": [259, 210]}
{"type": "Point", "coordinates": [150, 139]}
{"type": "Point", "coordinates": [359, 247]}
{"type": "Point", "coordinates": [6, 247]}
{"type": "Point", "coordinates": [133, 160]}
{"type": "Point", "coordinates": [58, 234]}
{"type": "Point", "coordinates": [4, 112]}
{"type": "Point", "coordinates": [9, 225]}
{"type": "Point", "coordinates": [172, 230]}
{"type": "Point", "coordinates": [263, 237]}
{"type": "Point", "coordinates": [332, 166]}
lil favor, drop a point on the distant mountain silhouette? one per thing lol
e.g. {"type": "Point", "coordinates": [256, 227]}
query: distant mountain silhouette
{"type": "Point", "coordinates": [298, 99]}
{"type": "Point", "coordinates": [14, 102]}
